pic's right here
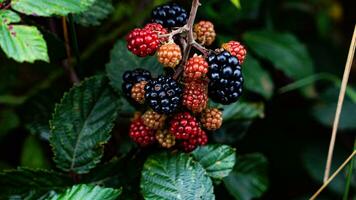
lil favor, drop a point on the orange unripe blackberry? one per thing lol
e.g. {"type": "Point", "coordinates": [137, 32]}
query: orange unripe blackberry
{"type": "Point", "coordinates": [211, 119]}
{"type": "Point", "coordinates": [204, 32]}
{"type": "Point", "coordinates": [153, 120]}
{"type": "Point", "coordinates": [138, 92]}
{"type": "Point", "coordinates": [169, 55]}
{"type": "Point", "coordinates": [165, 139]}
{"type": "Point", "coordinates": [235, 49]}
{"type": "Point", "coordinates": [195, 68]}
{"type": "Point", "coordinates": [195, 96]}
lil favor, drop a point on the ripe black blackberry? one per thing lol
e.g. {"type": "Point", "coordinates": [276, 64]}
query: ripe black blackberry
{"type": "Point", "coordinates": [170, 15]}
{"type": "Point", "coordinates": [226, 80]}
{"type": "Point", "coordinates": [130, 78]}
{"type": "Point", "coordinates": [163, 95]}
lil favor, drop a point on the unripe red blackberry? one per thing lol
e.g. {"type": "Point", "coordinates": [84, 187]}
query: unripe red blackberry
{"type": "Point", "coordinates": [153, 120]}
{"type": "Point", "coordinates": [138, 92]}
{"type": "Point", "coordinates": [195, 96]}
{"type": "Point", "coordinates": [165, 139]}
{"type": "Point", "coordinates": [169, 55]}
{"type": "Point", "coordinates": [141, 134]}
{"type": "Point", "coordinates": [211, 119]}
{"type": "Point", "coordinates": [195, 68]}
{"type": "Point", "coordinates": [159, 29]}
{"type": "Point", "coordinates": [201, 138]}
{"type": "Point", "coordinates": [184, 126]}
{"type": "Point", "coordinates": [198, 140]}
{"type": "Point", "coordinates": [204, 32]}
{"type": "Point", "coordinates": [142, 42]}
{"type": "Point", "coordinates": [236, 49]}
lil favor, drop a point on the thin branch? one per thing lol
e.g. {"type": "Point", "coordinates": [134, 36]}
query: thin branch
{"type": "Point", "coordinates": [190, 37]}
{"type": "Point", "coordinates": [68, 63]}
{"type": "Point", "coordinates": [340, 103]}
{"type": "Point", "coordinates": [316, 194]}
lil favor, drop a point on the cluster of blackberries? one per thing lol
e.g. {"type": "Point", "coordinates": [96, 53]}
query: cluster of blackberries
{"type": "Point", "coordinates": [178, 114]}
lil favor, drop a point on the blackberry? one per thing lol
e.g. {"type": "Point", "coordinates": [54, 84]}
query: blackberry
{"type": "Point", "coordinates": [130, 78]}
{"type": "Point", "coordinates": [170, 15]}
{"type": "Point", "coordinates": [226, 80]}
{"type": "Point", "coordinates": [163, 95]}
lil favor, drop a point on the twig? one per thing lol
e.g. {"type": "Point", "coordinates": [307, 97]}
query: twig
{"type": "Point", "coordinates": [75, 45]}
{"type": "Point", "coordinates": [190, 37]}
{"type": "Point", "coordinates": [326, 183]}
{"type": "Point", "coordinates": [339, 104]}
{"type": "Point", "coordinates": [67, 63]}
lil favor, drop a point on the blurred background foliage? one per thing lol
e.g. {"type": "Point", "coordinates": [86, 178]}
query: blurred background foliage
{"type": "Point", "coordinates": [296, 55]}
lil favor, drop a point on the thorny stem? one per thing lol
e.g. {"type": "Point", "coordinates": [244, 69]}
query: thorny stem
{"type": "Point", "coordinates": [68, 63]}
{"type": "Point", "coordinates": [189, 42]}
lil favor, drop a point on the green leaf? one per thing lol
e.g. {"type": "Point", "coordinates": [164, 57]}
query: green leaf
{"type": "Point", "coordinates": [123, 60]}
{"type": "Point", "coordinates": [50, 7]}
{"type": "Point", "coordinates": [175, 176]}
{"type": "Point", "coordinates": [243, 110]}
{"type": "Point", "coordinates": [236, 3]}
{"type": "Point", "coordinates": [217, 160]}
{"type": "Point", "coordinates": [324, 111]}
{"type": "Point", "coordinates": [37, 111]}
{"type": "Point", "coordinates": [33, 155]}
{"type": "Point", "coordinates": [22, 43]}
{"type": "Point", "coordinates": [257, 79]}
{"type": "Point", "coordinates": [82, 123]}
{"type": "Point", "coordinates": [249, 178]}
{"type": "Point", "coordinates": [313, 159]}
{"type": "Point", "coordinates": [88, 192]}
{"type": "Point", "coordinates": [24, 181]}
{"type": "Point", "coordinates": [8, 121]}
{"type": "Point", "coordinates": [100, 10]}
{"type": "Point", "coordinates": [283, 50]}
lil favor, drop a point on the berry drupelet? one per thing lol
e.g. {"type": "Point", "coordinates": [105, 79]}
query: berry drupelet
{"type": "Point", "coordinates": [163, 95]}
{"type": "Point", "coordinates": [226, 80]}
{"type": "Point", "coordinates": [170, 15]}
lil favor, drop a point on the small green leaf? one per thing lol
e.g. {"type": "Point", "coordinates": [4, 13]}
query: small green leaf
{"type": "Point", "coordinates": [283, 50]}
{"type": "Point", "coordinates": [87, 192]}
{"type": "Point", "coordinates": [82, 123]}
{"type": "Point", "coordinates": [174, 177]}
{"type": "Point", "coordinates": [22, 43]}
{"type": "Point", "coordinates": [324, 111]}
{"type": "Point", "coordinates": [32, 154]}
{"type": "Point", "coordinates": [50, 7]}
{"type": "Point", "coordinates": [243, 110]}
{"type": "Point", "coordinates": [217, 160]}
{"type": "Point", "coordinates": [123, 60]}
{"type": "Point", "coordinates": [37, 111]}
{"type": "Point", "coordinates": [236, 3]}
{"type": "Point", "coordinates": [100, 10]}
{"type": "Point", "coordinates": [257, 79]}
{"type": "Point", "coordinates": [249, 178]}
{"type": "Point", "coordinates": [24, 181]}
{"type": "Point", "coordinates": [8, 121]}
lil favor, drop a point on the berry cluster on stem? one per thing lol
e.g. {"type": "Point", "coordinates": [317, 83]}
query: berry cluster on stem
{"type": "Point", "coordinates": [178, 113]}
